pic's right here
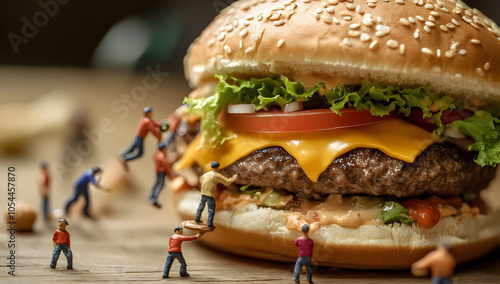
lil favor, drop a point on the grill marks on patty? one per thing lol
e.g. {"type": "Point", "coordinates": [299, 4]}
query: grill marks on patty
{"type": "Point", "coordinates": [442, 169]}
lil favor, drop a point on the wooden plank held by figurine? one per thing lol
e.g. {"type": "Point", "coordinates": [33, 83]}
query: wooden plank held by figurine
{"type": "Point", "coordinates": [200, 227]}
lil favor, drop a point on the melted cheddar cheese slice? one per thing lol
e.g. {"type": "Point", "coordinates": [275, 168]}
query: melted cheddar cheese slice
{"type": "Point", "coordinates": [315, 150]}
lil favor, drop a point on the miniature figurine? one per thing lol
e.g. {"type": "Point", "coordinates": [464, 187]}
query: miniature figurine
{"type": "Point", "coordinates": [146, 125]}
{"type": "Point", "coordinates": [162, 169]}
{"type": "Point", "coordinates": [305, 245]}
{"type": "Point", "coordinates": [175, 252]}
{"type": "Point", "coordinates": [441, 263]}
{"type": "Point", "coordinates": [209, 182]}
{"type": "Point", "coordinates": [43, 180]}
{"type": "Point", "coordinates": [81, 188]}
{"type": "Point", "coordinates": [61, 242]}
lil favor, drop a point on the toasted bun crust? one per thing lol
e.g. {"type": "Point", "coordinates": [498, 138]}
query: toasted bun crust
{"type": "Point", "coordinates": [262, 233]}
{"type": "Point", "coordinates": [445, 45]}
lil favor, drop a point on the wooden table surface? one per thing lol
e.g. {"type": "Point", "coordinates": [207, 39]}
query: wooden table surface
{"type": "Point", "coordinates": [129, 240]}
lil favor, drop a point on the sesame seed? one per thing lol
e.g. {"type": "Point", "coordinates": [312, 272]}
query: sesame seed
{"type": "Point", "coordinates": [427, 51]}
{"type": "Point", "coordinates": [420, 2]}
{"type": "Point", "coordinates": [400, 2]}
{"type": "Point", "coordinates": [372, 44]}
{"type": "Point", "coordinates": [457, 10]}
{"type": "Point", "coordinates": [249, 17]}
{"type": "Point", "coordinates": [333, 2]}
{"type": "Point", "coordinates": [438, 53]}
{"type": "Point", "coordinates": [402, 49]}
{"type": "Point", "coordinates": [243, 32]}
{"type": "Point", "coordinates": [354, 26]}
{"type": "Point", "coordinates": [455, 22]}
{"type": "Point", "coordinates": [371, 1]}
{"type": "Point", "coordinates": [435, 14]}
{"type": "Point", "coordinates": [229, 28]}
{"type": "Point", "coordinates": [427, 29]}
{"type": "Point", "coordinates": [475, 26]}
{"type": "Point", "coordinates": [360, 10]}
{"type": "Point", "coordinates": [280, 42]}
{"type": "Point", "coordinates": [225, 62]}
{"type": "Point", "coordinates": [241, 44]}
{"type": "Point", "coordinates": [327, 19]}
{"type": "Point", "coordinates": [432, 19]}
{"type": "Point", "coordinates": [392, 43]}
{"type": "Point", "coordinates": [345, 13]}
{"type": "Point", "coordinates": [380, 21]}
{"type": "Point", "coordinates": [354, 33]}
{"type": "Point", "coordinates": [227, 49]}
{"type": "Point", "coordinates": [316, 15]}
{"type": "Point", "coordinates": [235, 23]}
{"type": "Point", "coordinates": [462, 52]}
{"type": "Point", "coordinates": [449, 53]}
{"type": "Point", "coordinates": [277, 7]}
{"type": "Point", "coordinates": [468, 13]}
{"type": "Point", "coordinates": [351, 6]}
{"type": "Point", "coordinates": [221, 36]}
{"type": "Point", "coordinates": [450, 26]}
{"type": "Point", "coordinates": [480, 71]}
{"type": "Point", "coordinates": [443, 28]}
{"type": "Point", "coordinates": [347, 42]}
{"type": "Point", "coordinates": [404, 21]}
{"type": "Point", "coordinates": [335, 20]}
{"type": "Point", "coordinates": [367, 22]}
{"type": "Point", "coordinates": [380, 33]}
{"type": "Point", "coordinates": [278, 23]}
{"type": "Point", "coordinates": [260, 17]}
{"type": "Point", "coordinates": [275, 17]}
{"type": "Point", "coordinates": [487, 66]}
{"type": "Point", "coordinates": [255, 37]}
{"type": "Point", "coordinates": [475, 41]}
{"type": "Point", "coordinates": [420, 18]}
{"type": "Point", "coordinates": [319, 10]}
{"type": "Point", "coordinates": [211, 43]}
{"type": "Point", "coordinates": [365, 37]}
{"type": "Point", "coordinates": [416, 33]}
{"type": "Point", "coordinates": [324, 4]}
{"type": "Point", "coordinates": [245, 22]}
{"type": "Point", "coordinates": [371, 5]}
{"type": "Point", "coordinates": [430, 24]}
{"type": "Point", "coordinates": [249, 50]}
{"type": "Point", "coordinates": [330, 9]}
{"type": "Point", "coordinates": [467, 19]}
{"type": "Point", "coordinates": [429, 6]}
{"type": "Point", "coordinates": [458, 76]}
{"type": "Point", "coordinates": [347, 18]}
{"type": "Point", "coordinates": [454, 46]}
{"type": "Point", "coordinates": [412, 20]}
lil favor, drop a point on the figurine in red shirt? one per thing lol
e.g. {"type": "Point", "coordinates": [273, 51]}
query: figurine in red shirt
{"type": "Point", "coordinates": [61, 242]}
{"type": "Point", "coordinates": [43, 180]}
{"type": "Point", "coordinates": [305, 245]}
{"type": "Point", "coordinates": [175, 252]}
{"type": "Point", "coordinates": [146, 125]}
{"type": "Point", "coordinates": [163, 169]}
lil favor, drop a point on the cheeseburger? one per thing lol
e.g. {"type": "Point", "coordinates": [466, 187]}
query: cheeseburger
{"type": "Point", "coordinates": [376, 122]}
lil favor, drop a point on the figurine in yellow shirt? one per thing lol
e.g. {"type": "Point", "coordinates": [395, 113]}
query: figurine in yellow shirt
{"type": "Point", "coordinates": [209, 182]}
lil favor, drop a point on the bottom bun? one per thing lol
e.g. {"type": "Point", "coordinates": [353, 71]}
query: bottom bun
{"type": "Point", "coordinates": [261, 233]}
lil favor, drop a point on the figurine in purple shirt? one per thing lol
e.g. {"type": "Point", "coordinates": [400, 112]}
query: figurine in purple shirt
{"type": "Point", "coordinates": [82, 188]}
{"type": "Point", "coordinates": [305, 245]}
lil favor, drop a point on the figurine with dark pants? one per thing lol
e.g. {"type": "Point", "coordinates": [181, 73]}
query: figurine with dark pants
{"type": "Point", "coordinates": [209, 182]}
{"type": "Point", "coordinates": [43, 181]}
{"type": "Point", "coordinates": [175, 252]}
{"type": "Point", "coordinates": [82, 188]}
{"type": "Point", "coordinates": [146, 125]}
{"type": "Point", "coordinates": [163, 169]}
{"type": "Point", "coordinates": [441, 263]}
{"type": "Point", "coordinates": [305, 245]}
{"type": "Point", "coordinates": [61, 243]}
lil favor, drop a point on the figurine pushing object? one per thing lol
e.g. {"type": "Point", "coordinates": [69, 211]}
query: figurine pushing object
{"type": "Point", "coordinates": [305, 245]}
{"type": "Point", "coordinates": [61, 242]}
{"type": "Point", "coordinates": [145, 126]}
{"type": "Point", "coordinates": [175, 251]}
{"type": "Point", "coordinates": [441, 263]}
{"type": "Point", "coordinates": [209, 182]}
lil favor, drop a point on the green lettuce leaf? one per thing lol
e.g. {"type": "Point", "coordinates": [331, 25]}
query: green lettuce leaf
{"type": "Point", "coordinates": [393, 212]}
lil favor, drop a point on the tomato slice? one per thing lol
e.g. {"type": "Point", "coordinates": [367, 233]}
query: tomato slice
{"type": "Point", "coordinates": [299, 121]}
{"type": "Point", "coordinates": [447, 117]}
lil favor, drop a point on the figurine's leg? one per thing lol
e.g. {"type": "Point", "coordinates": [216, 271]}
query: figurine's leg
{"type": "Point", "coordinates": [201, 207]}
{"type": "Point", "coordinates": [55, 256]}
{"type": "Point", "coordinates": [138, 144]}
{"type": "Point", "coordinates": [72, 200]}
{"type": "Point", "coordinates": [182, 261]}
{"type": "Point", "coordinates": [45, 207]}
{"type": "Point", "coordinates": [160, 179]}
{"type": "Point", "coordinates": [211, 211]}
{"type": "Point", "coordinates": [85, 194]}
{"type": "Point", "coordinates": [69, 256]}
{"type": "Point", "coordinates": [168, 265]}
{"type": "Point", "coordinates": [296, 271]}
{"type": "Point", "coordinates": [130, 149]}
{"type": "Point", "coordinates": [307, 263]}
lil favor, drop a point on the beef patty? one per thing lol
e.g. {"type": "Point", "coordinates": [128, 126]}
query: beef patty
{"type": "Point", "coordinates": [442, 169]}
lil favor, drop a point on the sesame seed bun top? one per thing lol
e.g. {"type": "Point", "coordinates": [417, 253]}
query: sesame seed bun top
{"type": "Point", "coordinates": [439, 43]}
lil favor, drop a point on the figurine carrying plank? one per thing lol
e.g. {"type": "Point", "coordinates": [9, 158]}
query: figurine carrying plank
{"type": "Point", "coordinates": [208, 182]}
{"type": "Point", "coordinates": [175, 251]}
{"type": "Point", "coordinates": [61, 242]}
{"type": "Point", "coordinates": [163, 169]}
{"type": "Point", "coordinates": [441, 263]}
{"type": "Point", "coordinates": [145, 126]}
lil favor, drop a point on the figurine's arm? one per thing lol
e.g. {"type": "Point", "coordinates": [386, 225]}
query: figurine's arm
{"type": "Point", "coordinates": [199, 235]}
{"type": "Point", "coordinates": [421, 267]}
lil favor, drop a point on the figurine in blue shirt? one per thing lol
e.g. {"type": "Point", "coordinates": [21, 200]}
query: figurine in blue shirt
{"type": "Point", "coordinates": [82, 188]}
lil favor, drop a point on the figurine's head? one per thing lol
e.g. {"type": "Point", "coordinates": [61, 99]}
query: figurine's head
{"type": "Point", "coordinates": [215, 165]}
{"type": "Point", "coordinates": [62, 224]}
{"type": "Point", "coordinates": [178, 230]}
{"type": "Point", "coordinates": [148, 111]}
{"type": "Point", "coordinates": [305, 228]}
{"type": "Point", "coordinates": [43, 165]}
{"type": "Point", "coordinates": [96, 170]}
